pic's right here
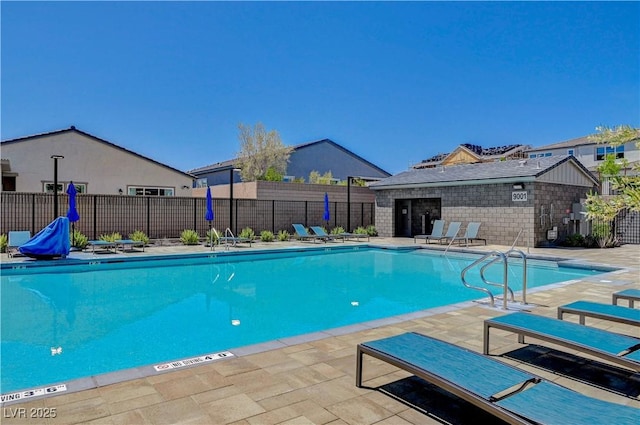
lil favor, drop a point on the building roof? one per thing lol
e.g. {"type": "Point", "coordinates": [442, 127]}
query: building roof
{"type": "Point", "coordinates": [230, 162]}
{"type": "Point", "coordinates": [482, 154]}
{"type": "Point", "coordinates": [478, 173]}
{"type": "Point", "coordinates": [578, 141]}
{"type": "Point", "coordinates": [73, 129]}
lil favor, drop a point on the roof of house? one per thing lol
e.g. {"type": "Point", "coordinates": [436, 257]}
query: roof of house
{"type": "Point", "coordinates": [478, 173]}
{"type": "Point", "coordinates": [230, 162]}
{"type": "Point", "coordinates": [75, 130]}
{"type": "Point", "coordinates": [578, 141]}
{"type": "Point", "coordinates": [477, 151]}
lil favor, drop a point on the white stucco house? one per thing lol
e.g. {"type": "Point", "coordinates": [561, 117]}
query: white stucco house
{"type": "Point", "coordinates": [95, 166]}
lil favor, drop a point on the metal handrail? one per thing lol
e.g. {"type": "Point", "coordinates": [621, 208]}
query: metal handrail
{"type": "Point", "coordinates": [452, 239]}
{"type": "Point", "coordinates": [485, 290]}
{"type": "Point", "coordinates": [524, 273]}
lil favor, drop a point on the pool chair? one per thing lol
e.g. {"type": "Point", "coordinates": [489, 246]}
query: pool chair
{"type": "Point", "coordinates": [303, 235]}
{"type": "Point", "coordinates": [614, 313]}
{"type": "Point", "coordinates": [122, 244]}
{"type": "Point", "coordinates": [436, 232]}
{"type": "Point", "coordinates": [452, 231]}
{"type": "Point", "coordinates": [616, 348]}
{"type": "Point", "coordinates": [506, 392]}
{"type": "Point", "coordinates": [630, 295]}
{"type": "Point", "coordinates": [319, 231]}
{"type": "Point", "coordinates": [471, 234]}
{"type": "Point", "coordinates": [16, 238]}
{"type": "Point", "coordinates": [230, 239]}
{"type": "Point", "coordinates": [100, 245]}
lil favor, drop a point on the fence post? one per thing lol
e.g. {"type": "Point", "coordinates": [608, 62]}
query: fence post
{"type": "Point", "coordinates": [273, 215]}
{"type": "Point", "coordinates": [95, 217]}
{"type": "Point", "coordinates": [149, 217]}
{"type": "Point", "coordinates": [33, 213]}
{"type": "Point", "coordinates": [195, 215]}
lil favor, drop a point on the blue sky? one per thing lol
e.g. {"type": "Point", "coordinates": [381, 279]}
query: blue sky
{"type": "Point", "coordinates": [393, 82]}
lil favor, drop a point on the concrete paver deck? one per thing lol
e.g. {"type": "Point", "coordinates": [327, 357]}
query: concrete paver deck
{"type": "Point", "coordinates": [312, 381]}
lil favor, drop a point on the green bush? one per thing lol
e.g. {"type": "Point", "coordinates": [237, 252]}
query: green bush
{"type": "Point", "coordinates": [78, 240]}
{"type": "Point", "coordinates": [4, 241]}
{"type": "Point", "coordinates": [266, 236]}
{"type": "Point", "coordinates": [574, 240]}
{"type": "Point", "coordinates": [189, 237]}
{"type": "Point", "coordinates": [337, 230]}
{"type": "Point", "coordinates": [212, 237]}
{"type": "Point", "coordinates": [139, 236]}
{"type": "Point", "coordinates": [248, 233]}
{"type": "Point", "coordinates": [361, 231]}
{"type": "Point", "coordinates": [371, 230]}
{"type": "Point", "coordinates": [283, 235]}
{"type": "Point", "coordinates": [110, 237]}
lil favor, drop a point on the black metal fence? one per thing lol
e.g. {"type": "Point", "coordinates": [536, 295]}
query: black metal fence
{"type": "Point", "coordinates": [167, 217]}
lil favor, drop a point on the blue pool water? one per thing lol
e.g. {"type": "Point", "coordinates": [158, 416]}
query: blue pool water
{"type": "Point", "coordinates": [114, 316]}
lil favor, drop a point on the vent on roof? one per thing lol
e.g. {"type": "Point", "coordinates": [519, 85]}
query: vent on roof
{"type": "Point", "coordinates": [538, 166]}
{"type": "Point", "coordinates": [522, 162]}
{"type": "Point", "coordinates": [442, 168]}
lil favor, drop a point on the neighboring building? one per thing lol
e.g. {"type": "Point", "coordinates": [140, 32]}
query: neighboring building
{"type": "Point", "coordinates": [532, 201]}
{"type": "Point", "coordinates": [591, 154]}
{"type": "Point", "coordinates": [95, 166]}
{"type": "Point", "coordinates": [321, 156]}
{"type": "Point", "coordinates": [472, 154]}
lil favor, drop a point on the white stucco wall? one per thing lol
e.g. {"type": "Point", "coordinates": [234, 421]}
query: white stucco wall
{"type": "Point", "coordinates": [101, 167]}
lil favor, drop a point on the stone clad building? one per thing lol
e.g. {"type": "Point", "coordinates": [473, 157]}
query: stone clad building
{"type": "Point", "coordinates": [533, 201]}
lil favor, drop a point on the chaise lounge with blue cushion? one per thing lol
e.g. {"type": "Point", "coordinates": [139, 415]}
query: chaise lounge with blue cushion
{"type": "Point", "coordinates": [302, 234]}
{"type": "Point", "coordinates": [620, 349]}
{"type": "Point", "coordinates": [15, 238]}
{"type": "Point", "coordinates": [437, 232]}
{"type": "Point", "coordinates": [319, 231]}
{"type": "Point", "coordinates": [630, 295]}
{"type": "Point", "coordinates": [508, 393]}
{"type": "Point", "coordinates": [471, 234]}
{"type": "Point", "coordinates": [612, 312]}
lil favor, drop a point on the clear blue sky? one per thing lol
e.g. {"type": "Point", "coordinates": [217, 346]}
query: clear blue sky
{"type": "Point", "coordinates": [393, 82]}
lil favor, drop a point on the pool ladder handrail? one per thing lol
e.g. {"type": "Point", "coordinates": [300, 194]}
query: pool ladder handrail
{"type": "Point", "coordinates": [524, 273]}
{"type": "Point", "coordinates": [506, 289]}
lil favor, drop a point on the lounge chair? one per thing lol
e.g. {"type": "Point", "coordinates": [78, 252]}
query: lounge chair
{"type": "Point", "coordinates": [123, 243]}
{"type": "Point", "coordinates": [615, 313]}
{"type": "Point", "coordinates": [357, 236]}
{"type": "Point", "coordinates": [471, 234]}
{"type": "Point", "coordinates": [630, 295]}
{"type": "Point", "coordinates": [436, 232]}
{"type": "Point", "coordinates": [101, 245]}
{"type": "Point", "coordinates": [15, 239]}
{"type": "Point", "coordinates": [508, 393]}
{"type": "Point", "coordinates": [303, 235]}
{"type": "Point", "coordinates": [319, 231]}
{"type": "Point", "coordinates": [616, 348]}
{"type": "Point", "coordinates": [230, 238]}
{"type": "Point", "coordinates": [452, 231]}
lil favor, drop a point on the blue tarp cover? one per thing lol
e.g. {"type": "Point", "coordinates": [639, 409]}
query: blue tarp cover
{"type": "Point", "coordinates": [52, 241]}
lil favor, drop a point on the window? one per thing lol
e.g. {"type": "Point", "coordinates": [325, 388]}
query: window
{"type": "Point", "coordinates": [570, 152]}
{"type": "Point", "coordinates": [547, 154]}
{"type": "Point", "coordinates": [80, 187]}
{"type": "Point", "coordinates": [603, 151]}
{"type": "Point", "coordinates": [201, 182]}
{"type": "Point", "coordinates": [150, 191]}
{"type": "Point", "coordinates": [48, 187]}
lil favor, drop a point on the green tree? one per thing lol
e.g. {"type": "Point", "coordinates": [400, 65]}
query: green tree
{"type": "Point", "coordinates": [261, 151]}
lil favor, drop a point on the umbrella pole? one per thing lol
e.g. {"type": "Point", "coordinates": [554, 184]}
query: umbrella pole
{"type": "Point", "coordinates": [210, 237]}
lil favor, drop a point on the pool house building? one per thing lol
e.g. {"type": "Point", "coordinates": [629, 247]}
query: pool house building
{"type": "Point", "coordinates": [528, 202]}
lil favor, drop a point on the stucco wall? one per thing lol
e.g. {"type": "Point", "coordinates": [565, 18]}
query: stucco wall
{"type": "Point", "coordinates": [102, 168]}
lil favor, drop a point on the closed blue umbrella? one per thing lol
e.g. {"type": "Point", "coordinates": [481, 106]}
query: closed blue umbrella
{"type": "Point", "coordinates": [72, 213]}
{"type": "Point", "coordinates": [209, 214]}
{"type": "Point", "coordinates": [327, 214]}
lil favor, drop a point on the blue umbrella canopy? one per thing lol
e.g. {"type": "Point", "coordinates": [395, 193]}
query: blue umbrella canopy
{"type": "Point", "coordinates": [209, 214]}
{"type": "Point", "coordinates": [327, 214]}
{"type": "Point", "coordinates": [72, 213]}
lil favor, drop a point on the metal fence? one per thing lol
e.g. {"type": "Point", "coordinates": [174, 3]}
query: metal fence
{"type": "Point", "coordinates": [167, 217]}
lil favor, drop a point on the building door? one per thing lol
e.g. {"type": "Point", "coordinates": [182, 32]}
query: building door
{"type": "Point", "coordinates": [403, 217]}
{"type": "Point", "coordinates": [9, 183]}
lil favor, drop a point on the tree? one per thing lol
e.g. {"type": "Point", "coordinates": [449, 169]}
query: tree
{"type": "Point", "coordinates": [261, 153]}
{"type": "Point", "coordinates": [600, 209]}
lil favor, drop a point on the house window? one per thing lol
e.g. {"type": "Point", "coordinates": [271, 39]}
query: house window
{"type": "Point", "coordinates": [603, 151]}
{"type": "Point", "coordinates": [570, 152]}
{"type": "Point", "coordinates": [80, 187]}
{"type": "Point", "coordinates": [547, 154]}
{"type": "Point", "coordinates": [201, 182]}
{"type": "Point", "coordinates": [533, 155]}
{"type": "Point", "coordinates": [150, 191]}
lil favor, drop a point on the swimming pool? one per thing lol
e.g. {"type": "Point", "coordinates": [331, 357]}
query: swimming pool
{"type": "Point", "coordinates": [62, 322]}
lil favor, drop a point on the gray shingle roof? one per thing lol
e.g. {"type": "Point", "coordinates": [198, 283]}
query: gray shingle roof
{"type": "Point", "coordinates": [511, 170]}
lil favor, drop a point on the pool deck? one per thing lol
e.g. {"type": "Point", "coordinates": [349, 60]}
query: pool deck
{"type": "Point", "coordinates": [311, 379]}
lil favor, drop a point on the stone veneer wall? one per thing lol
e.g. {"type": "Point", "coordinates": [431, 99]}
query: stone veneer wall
{"type": "Point", "coordinates": [502, 219]}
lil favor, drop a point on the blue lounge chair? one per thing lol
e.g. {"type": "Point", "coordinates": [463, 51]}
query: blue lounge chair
{"type": "Point", "coordinates": [630, 295]}
{"type": "Point", "coordinates": [16, 238]}
{"type": "Point", "coordinates": [616, 348]}
{"type": "Point", "coordinates": [303, 235]}
{"type": "Point", "coordinates": [615, 313]}
{"type": "Point", "coordinates": [123, 243]}
{"type": "Point", "coordinates": [511, 394]}
{"type": "Point", "coordinates": [101, 245]}
{"type": "Point", "coordinates": [471, 234]}
{"type": "Point", "coordinates": [452, 231]}
{"type": "Point", "coordinates": [437, 232]}
{"type": "Point", "coordinates": [319, 231]}
{"type": "Point", "coordinates": [230, 238]}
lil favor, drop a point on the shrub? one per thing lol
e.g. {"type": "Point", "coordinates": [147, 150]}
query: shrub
{"type": "Point", "coordinates": [283, 235]}
{"type": "Point", "coordinates": [4, 241]}
{"type": "Point", "coordinates": [574, 240]}
{"type": "Point", "coordinates": [360, 231]}
{"type": "Point", "coordinates": [110, 237]}
{"type": "Point", "coordinates": [337, 230]}
{"type": "Point", "coordinates": [248, 233]}
{"type": "Point", "coordinates": [139, 236]}
{"type": "Point", "coordinates": [601, 231]}
{"type": "Point", "coordinates": [189, 237]}
{"type": "Point", "coordinates": [212, 237]}
{"type": "Point", "coordinates": [371, 230]}
{"type": "Point", "coordinates": [266, 236]}
{"type": "Point", "coordinates": [78, 240]}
